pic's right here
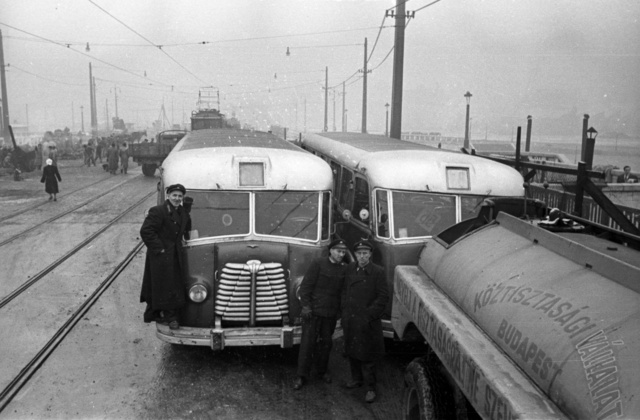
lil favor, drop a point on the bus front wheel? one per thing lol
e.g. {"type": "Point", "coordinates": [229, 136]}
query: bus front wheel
{"type": "Point", "coordinates": [149, 169]}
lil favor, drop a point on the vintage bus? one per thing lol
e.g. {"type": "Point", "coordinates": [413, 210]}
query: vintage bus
{"type": "Point", "coordinates": [397, 193]}
{"type": "Point", "coordinates": [261, 212]}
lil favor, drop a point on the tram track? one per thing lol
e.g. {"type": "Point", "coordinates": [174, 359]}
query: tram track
{"type": "Point", "coordinates": [25, 374]}
{"type": "Point", "coordinates": [26, 285]}
{"type": "Point", "coordinates": [22, 211]}
{"type": "Point", "coordinates": [58, 216]}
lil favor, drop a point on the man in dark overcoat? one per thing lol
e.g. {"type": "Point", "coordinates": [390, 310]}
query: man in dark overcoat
{"type": "Point", "coordinates": [112, 158]}
{"type": "Point", "coordinates": [320, 293]}
{"type": "Point", "coordinates": [163, 231]}
{"type": "Point", "coordinates": [363, 303]}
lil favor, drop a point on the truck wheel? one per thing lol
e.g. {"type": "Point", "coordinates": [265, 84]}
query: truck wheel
{"type": "Point", "coordinates": [149, 169]}
{"type": "Point", "coordinates": [426, 394]}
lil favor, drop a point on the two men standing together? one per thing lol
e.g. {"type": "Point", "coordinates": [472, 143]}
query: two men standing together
{"type": "Point", "coordinates": [357, 293]}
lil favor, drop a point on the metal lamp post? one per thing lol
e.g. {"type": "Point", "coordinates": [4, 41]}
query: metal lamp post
{"type": "Point", "coordinates": [590, 147]}
{"type": "Point", "coordinates": [466, 129]}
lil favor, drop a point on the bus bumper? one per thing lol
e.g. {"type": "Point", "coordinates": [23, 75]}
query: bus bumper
{"type": "Point", "coordinates": [219, 338]}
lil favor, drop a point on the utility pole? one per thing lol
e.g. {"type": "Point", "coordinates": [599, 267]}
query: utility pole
{"type": "Point", "coordinates": [344, 95]}
{"type": "Point", "coordinates": [326, 98]}
{"type": "Point", "coordinates": [115, 93]}
{"type": "Point", "coordinates": [91, 100]}
{"type": "Point", "coordinates": [334, 110]}
{"type": "Point", "coordinates": [73, 119]}
{"type": "Point", "coordinates": [5, 100]}
{"type": "Point", "coordinates": [82, 117]}
{"type": "Point", "coordinates": [364, 89]}
{"type": "Point", "coordinates": [398, 64]}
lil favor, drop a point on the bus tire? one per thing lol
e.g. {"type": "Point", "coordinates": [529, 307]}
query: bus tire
{"type": "Point", "coordinates": [149, 169]}
{"type": "Point", "coordinates": [426, 395]}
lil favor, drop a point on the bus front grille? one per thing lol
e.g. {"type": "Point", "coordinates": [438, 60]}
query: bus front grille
{"type": "Point", "coordinates": [252, 292]}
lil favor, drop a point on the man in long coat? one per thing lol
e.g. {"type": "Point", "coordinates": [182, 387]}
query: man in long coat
{"type": "Point", "coordinates": [124, 157]}
{"type": "Point", "coordinates": [112, 158]}
{"type": "Point", "coordinates": [365, 297]}
{"type": "Point", "coordinates": [162, 232]}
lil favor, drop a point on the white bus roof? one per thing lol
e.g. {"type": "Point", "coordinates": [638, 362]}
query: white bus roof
{"type": "Point", "coordinates": [397, 164]}
{"type": "Point", "coordinates": [210, 159]}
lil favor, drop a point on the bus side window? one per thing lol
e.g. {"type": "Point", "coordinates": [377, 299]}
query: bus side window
{"type": "Point", "coordinates": [346, 189]}
{"type": "Point", "coordinates": [361, 209]}
{"type": "Point", "coordinates": [383, 213]}
{"type": "Point", "coordinates": [337, 170]}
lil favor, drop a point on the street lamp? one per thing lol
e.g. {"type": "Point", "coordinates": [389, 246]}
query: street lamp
{"type": "Point", "coordinates": [590, 147]}
{"type": "Point", "coordinates": [386, 126]}
{"type": "Point", "coordinates": [466, 130]}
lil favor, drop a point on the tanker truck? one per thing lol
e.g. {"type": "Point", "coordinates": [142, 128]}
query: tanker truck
{"type": "Point", "coordinates": [527, 318]}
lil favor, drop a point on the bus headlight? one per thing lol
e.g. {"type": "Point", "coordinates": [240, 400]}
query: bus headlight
{"type": "Point", "coordinates": [198, 293]}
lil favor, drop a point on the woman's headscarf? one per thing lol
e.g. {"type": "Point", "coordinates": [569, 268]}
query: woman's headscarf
{"type": "Point", "coordinates": [49, 162]}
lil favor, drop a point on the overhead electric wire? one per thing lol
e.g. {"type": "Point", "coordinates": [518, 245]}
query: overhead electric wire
{"type": "Point", "coordinates": [67, 46]}
{"type": "Point", "coordinates": [433, 2]}
{"type": "Point", "coordinates": [149, 41]}
{"type": "Point", "coordinates": [13, 66]}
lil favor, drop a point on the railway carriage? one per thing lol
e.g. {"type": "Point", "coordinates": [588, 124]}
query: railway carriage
{"type": "Point", "coordinates": [398, 194]}
{"type": "Point", "coordinates": [260, 213]}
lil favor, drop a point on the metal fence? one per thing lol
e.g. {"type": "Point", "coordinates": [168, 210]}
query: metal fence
{"type": "Point", "coordinates": [565, 201]}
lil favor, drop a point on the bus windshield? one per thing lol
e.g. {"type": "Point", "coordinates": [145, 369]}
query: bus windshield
{"type": "Point", "coordinates": [277, 213]}
{"type": "Point", "coordinates": [426, 214]}
{"type": "Point", "coordinates": [287, 213]}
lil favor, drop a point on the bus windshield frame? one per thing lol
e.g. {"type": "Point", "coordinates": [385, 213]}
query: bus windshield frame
{"type": "Point", "coordinates": [413, 215]}
{"type": "Point", "coordinates": [287, 215]}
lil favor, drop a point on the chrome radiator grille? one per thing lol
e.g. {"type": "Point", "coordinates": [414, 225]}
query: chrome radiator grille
{"type": "Point", "coordinates": [252, 292]}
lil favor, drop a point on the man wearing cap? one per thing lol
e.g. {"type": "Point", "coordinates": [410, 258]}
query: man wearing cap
{"type": "Point", "coordinates": [363, 303]}
{"type": "Point", "coordinates": [320, 293]}
{"type": "Point", "coordinates": [162, 231]}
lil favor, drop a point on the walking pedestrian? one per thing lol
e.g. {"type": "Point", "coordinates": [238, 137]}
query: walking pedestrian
{"type": "Point", "coordinates": [320, 293]}
{"type": "Point", "coordinates": [124, 157]}
{"type": "Point", "coordinates": [363, 303]}
{"type": "Point", "coordinates": [112, 158]}
{"type": "Point", "coordinates": [50, 178]}
{"type": "Point", "coordinates": [99, 147]}
{"type": "Point", "coordinates": [91, 159]}
{"type": "Point", "coordinates": [163, 231]}
{"type": "Point", "coordinates": [38, 157]}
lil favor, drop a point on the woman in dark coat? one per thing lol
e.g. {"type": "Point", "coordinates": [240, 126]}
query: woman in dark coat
{"type": "Point", "coordinates": [50, 177]}
{"type": "Point", "coordinates": [364, 299]}
{"type": "Point", "coordinates": [162, 232]}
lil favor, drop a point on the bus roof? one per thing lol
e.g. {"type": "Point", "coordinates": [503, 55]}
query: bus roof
{"type": "Point", "coordinates": [397, 164]}
{"type": "Point", "coordinates": [210, 159]}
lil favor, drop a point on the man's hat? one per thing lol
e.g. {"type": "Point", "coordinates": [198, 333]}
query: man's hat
{"type": "Point", "coordinates": [175, 187]}
{"type": "Point", "coordinates": [364, 244]}
{"type": "Point", "coordinates": [338, 243]}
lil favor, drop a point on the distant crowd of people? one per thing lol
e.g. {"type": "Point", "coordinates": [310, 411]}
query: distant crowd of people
{"type": "Point", "coordinates": [116, 156]}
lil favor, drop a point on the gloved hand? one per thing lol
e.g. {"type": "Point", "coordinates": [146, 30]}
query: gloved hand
{"type": "Point", "coordinates": [306, 313]}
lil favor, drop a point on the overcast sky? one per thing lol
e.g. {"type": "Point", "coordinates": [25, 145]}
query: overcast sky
{"type": "Point", "coordinates": [517, 57]}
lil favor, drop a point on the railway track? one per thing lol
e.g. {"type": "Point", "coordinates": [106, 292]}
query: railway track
{"type": "Point", "coordinates": [26, 285]}
{"type": "Point", "coordinates": [22, 211]}
{"type": "Point", "coordinates": [58, 216]}
{"type": "Point", "coordinates": [25, 374]}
